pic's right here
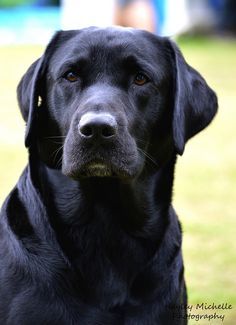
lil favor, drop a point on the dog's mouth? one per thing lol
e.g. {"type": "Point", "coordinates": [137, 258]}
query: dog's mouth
{"type": "Point", "coordinates": [120, 160]}
{"type": "Point", "coordinates": [100, 168]}
{"type": "Point", "coordinates": [97, 169]}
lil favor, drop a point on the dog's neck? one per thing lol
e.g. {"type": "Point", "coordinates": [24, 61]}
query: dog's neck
{"type": "Point", "coordinates": [140, 204]}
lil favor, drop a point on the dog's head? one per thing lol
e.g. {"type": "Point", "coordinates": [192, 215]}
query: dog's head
{"type": "Point", "coordinates": [107, 102]}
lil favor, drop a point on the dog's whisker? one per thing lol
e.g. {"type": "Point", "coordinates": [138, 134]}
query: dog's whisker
{"type": "Point", "coordinates": [148, 156]}
{"type": "Point", "coordinates": [59, 162]}
{"type": "Point", "coordinates": [141, 141]}
{"type": "Point", "coordinates": [56, 142]}
{"type": "Point", "coordinates": [51, 138]}
{"type": "Point", "coordinates": [56, 137]}
{"type": "Point", "coordinates": [56, 152]}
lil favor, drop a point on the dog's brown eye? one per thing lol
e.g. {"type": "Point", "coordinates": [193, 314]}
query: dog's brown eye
{"type": "Point", "coordinates": [140, 79]}
{"type": "Point", "coordinates": [71, 76]}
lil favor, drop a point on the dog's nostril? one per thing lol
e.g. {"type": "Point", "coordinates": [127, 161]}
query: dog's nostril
{"type": "Point", "coordinates": [86, 131]}
{"type": "Point", "coordinates": [108, 131]}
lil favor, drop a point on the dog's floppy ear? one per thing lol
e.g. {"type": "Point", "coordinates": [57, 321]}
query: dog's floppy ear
{"type": "Point", "coordinates": [28, 98]}
{"type": "Point", "coordinates": [195, 103]}
{"type": "Point", "coordinates": [30, 89]}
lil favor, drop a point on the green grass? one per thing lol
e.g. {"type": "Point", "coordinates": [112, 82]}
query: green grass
{"type": "Point", "coordinates": [14, 60]}
{"type": "Point", "coordinates": [205, 186]}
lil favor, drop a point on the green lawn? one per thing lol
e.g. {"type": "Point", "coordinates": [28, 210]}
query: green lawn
{"type": "Point", "coordinates": [205, 187]}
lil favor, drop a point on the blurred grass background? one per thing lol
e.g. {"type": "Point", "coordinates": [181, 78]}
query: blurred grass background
{"type": "Point", "coordinates": [205, 185]}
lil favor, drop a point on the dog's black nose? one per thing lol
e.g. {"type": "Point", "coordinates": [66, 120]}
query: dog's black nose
{"type": "Point", "coordinates": [97, 125]}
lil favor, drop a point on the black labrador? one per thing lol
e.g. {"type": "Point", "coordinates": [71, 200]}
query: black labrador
{"type": "Point", "coordinates": [88, 236]}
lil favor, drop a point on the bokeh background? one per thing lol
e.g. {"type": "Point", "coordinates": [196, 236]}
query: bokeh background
{"type": "Point", "coordinates": [205, 184]}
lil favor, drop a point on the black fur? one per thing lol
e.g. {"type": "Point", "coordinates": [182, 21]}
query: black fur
{"type": "Point", "coordinates": [88, 236]}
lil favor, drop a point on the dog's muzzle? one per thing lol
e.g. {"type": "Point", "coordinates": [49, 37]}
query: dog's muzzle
{"type": "Point", "coordinates": [98, 129]}
{"type": "Point", "coordinates": [99, 145]}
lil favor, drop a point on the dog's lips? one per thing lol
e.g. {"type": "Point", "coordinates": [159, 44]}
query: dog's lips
{"type": "Point", "coordinates": [97, 169]}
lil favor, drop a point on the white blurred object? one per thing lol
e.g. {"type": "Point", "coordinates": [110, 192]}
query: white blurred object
{"type": "Point", "coordinates": [85, 13]}
{"type": "Point", "coordinates": [177, 17]}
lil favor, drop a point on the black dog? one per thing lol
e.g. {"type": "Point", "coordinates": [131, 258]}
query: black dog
{"type": "Point", "coordinates": [88, 235]}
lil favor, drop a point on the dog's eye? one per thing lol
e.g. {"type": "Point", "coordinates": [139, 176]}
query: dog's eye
{"type": "Point", "coordinates": [71, 76]}
{"type": "Point", "coordinates": [141, 79]}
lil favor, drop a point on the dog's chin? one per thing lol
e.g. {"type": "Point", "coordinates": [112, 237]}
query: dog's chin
{"type": "Point", "coordinates": [100, 170]}
{"type": "Point", "coordinates": [97, 169]}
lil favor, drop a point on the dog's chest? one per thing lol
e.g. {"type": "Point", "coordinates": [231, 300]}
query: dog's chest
{"type": "Point", "coordinates": [107, 262]}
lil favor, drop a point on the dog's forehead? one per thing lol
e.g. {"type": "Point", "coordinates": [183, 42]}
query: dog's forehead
{"type": "Point", "coordinates": [118, 41]}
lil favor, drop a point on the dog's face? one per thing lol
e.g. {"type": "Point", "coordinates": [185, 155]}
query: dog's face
{"type": "Point", "coordinates": [106, 95]}
{"type": "Point", "coordinates": [113, 101]}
